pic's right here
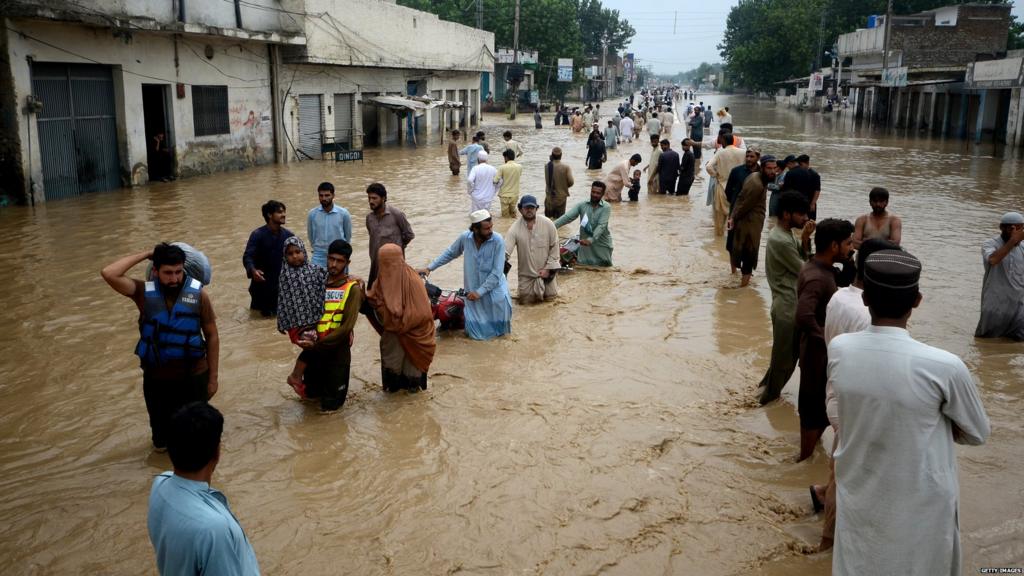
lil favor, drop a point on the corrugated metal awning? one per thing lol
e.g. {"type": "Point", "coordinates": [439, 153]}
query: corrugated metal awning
{"type": "Point", "coordinates": [417, 104]}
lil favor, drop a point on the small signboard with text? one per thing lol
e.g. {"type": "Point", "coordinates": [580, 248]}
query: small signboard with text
{"type": "Point", "coordinates": [565, 69]}
{"type": "Point", "coordinates": [895, 77]}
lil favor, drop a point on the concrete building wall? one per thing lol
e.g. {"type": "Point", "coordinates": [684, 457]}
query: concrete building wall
{"type": "Point", "coordinates": [363, 82]}
{"type": "Point", "coordinates": [382, 34]}
{"type": "Point", "coordinates": [267, 16]}
{"type": "Point", "coordinates": [149, 58]}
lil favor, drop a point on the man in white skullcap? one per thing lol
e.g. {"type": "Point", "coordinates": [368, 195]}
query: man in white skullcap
{"type": "Point", "coordinates": [1002, 290]}
{"type": "Point", "coordinates": [902, 407]}
{"type": "Point", "coordinates": [488, 308]}
{"type": "Point", "coordinates": [480, 183]}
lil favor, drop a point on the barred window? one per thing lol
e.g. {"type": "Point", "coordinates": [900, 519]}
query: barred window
{"type": "Point", "coordinates": [210, 110]}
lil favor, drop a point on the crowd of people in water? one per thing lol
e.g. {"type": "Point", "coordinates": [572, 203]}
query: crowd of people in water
{"type": "Point", "coordinates": [843, 290]}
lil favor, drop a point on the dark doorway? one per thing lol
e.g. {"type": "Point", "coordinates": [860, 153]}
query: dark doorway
{"type": "Point", "coordinates": [159, 145]}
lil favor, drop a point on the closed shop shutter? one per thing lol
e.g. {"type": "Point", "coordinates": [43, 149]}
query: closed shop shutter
{"type": "Point", "coordinates": [311, 121]}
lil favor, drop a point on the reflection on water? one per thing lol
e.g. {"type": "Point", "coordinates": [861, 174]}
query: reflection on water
{"type": "Point", "coordinates": [612, 431]}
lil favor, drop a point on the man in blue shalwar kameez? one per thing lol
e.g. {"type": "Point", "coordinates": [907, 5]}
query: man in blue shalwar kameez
{"type": "Point", "coordinates": [488, 308]}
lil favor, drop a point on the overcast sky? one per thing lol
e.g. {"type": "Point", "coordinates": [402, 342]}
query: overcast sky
{"type": "Point", "coordinates": [698, 26]}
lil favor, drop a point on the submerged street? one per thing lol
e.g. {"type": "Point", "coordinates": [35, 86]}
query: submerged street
{"type": "Point", "coordinates": [615, 431]}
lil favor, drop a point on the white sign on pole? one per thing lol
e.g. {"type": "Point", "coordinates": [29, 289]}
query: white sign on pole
{"type": "Point", "coordinates": [565, 69]}
{"type": "Point", "coordinates": [895, 77]}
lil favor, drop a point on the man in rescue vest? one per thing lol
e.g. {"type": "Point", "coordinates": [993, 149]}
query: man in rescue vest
{"type": "Point", "coordinates": [178, 344]}
{"type": "Point", "coordinates": [328, 359]}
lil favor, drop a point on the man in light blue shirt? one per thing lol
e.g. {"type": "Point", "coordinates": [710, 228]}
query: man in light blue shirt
{"type": "Point", "coordinates": [327, 223]}
{"type": "Point", "coordinates": [190, 525]}
{"type": "Point", "coordinates": [488, 310]}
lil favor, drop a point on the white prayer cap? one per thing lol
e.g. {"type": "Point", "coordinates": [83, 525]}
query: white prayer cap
{"type": "Point", "coordinates": [1012, 218]}
{"type": "Point", "coordinates": [479, 216]}
{"type": "Point", "coordinates": [481, 156]}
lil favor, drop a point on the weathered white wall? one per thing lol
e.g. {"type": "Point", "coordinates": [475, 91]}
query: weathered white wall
{"type": "Point", "coordinates": [330, 80]}
{"type": "Point", "coordinates": [257, 15]}
{"type": "Point", "coordinates": [382, 34]}
{"type": "Point", "coordinates": [148, 58]}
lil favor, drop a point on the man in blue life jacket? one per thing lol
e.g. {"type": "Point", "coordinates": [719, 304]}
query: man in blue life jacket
{"type": "Point", "coordinates": [178, 344]}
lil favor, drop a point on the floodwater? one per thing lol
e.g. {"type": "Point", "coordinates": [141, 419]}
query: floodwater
{"type": "Point", "coordinates": [613, 432]}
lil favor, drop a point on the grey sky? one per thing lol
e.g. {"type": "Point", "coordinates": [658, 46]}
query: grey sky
{"type": "Point", "coordinates": [699, 25]}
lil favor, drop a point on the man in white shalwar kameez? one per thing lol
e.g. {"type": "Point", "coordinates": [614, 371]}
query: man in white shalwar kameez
{"type": "Point", "coordinates": [480, 183]}
{"type": "Point", "coordinates": [1002, 290]}
{"type": "Point", "coordinates": [902, 405]}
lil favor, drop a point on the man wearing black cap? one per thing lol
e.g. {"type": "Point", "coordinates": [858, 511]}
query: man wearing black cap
{"type": "Point", "coordinates": [902, 405]}
{"type": "Point", "coordinates": [535, 238]}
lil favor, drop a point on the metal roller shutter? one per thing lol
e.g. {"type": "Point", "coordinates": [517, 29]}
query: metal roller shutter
{"type": "Point", "coordinates": [343, 118]}
{"type": "Point", "coordinates": [310, 124]}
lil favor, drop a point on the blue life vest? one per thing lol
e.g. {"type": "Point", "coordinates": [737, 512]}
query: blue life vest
{"type": "Point", "coordinates": [174, 334]}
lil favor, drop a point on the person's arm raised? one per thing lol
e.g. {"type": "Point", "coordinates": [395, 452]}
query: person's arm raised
{"type": "Point", "coordinates": [115, 272]}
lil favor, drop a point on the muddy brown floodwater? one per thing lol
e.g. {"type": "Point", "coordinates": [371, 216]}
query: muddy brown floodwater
{"type": "Point", "coordinates": [613, 432]}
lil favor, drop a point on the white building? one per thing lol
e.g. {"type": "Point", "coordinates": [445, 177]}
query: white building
{"type": "Point", "coordinates": [358, 49]}
{"type": "Point", "coordinates": [229, 83]}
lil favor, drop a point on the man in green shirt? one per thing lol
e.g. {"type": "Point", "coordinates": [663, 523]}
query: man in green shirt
{"type": "Point", "coordinates": [508, 175]}
{"type": "Point", "coordinates": [784, 257]}
{"type": "Point", "coordinates": [595, 237]}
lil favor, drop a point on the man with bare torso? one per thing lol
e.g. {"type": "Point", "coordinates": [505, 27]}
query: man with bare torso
{"type": "Point", "coordinates": [879, 223]}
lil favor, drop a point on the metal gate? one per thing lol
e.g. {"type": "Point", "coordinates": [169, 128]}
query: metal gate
{"type": "Point", "coordinates": [343, 118]}
{"type": "Point", "coordinates": [311, 122]}
{"type": "Point", "coordinates": [77, 129]}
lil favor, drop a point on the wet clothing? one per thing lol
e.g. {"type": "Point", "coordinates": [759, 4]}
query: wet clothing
{"type": "Point", "coordinates": [593, 227]}
{"type": "Point", "coordinates": [1002, 293]}
{"type": "Point", "coordinates": [596, 153]}
{"type": "Point", "coordinates": [170, 383]}
{"type": "Point", "coordinates": [326, 227]}
{"type": "Point", "coordinates": [747, 223]}
{"type": "Point", "coordinates": [611, 137]}
{"type": "Point", "coordinates": [616, 180]}
{"type": "Point", "coordinates": [470, 152]}
{"type": "Point", "coordinates": [483, 273]}
{"type": "Point", "coordinates": [537, 121]}
{"type": "Point", "coordinates": [301, 300]}
{"type": "Point", "coordinates": [514, 146]}
{"type": "Point", "coordinates": [784, 257]}
{"type": "Point", "coordinates": [627, 127]}
{"type": "Point", "coordinates": [654, 127]}
{"type": "Point", "coordinates": [668, 171]}
{"type": "Point", "coordinates": [653, 181]}
{"type": "Point", "coordinates": [732, 189]}
{"type": "Point", "coordinates": [404, 320]}
{"type": "Point", "coordinates": [687, 170]}
{"type": "Point", "coordinates": [719, 168]}
{"type": "Point", "coordinates": [328, 361]}
{"type": "Point", "coordinates": [454, 163]}
{"type": "Point", "coordinates": [557, 181]}
{"type": "Point", "coordinates": [264, 252]}
{"type": "Point", "coordinates": [538, 249]}
{"type": "Point", "coordinates": [392, 227]}
{"type": "Point", "coordinates": [805, 181]}
{"type": "Point", "coordinates": [508, 175]}
{"type": "Point", "coordinates": [480, 183]}
{"type": "Point", "coordinates": [815, 286]}
{"type": "Point", "coordinates": [902, 405]}
{"type": "Point", "coordinates": [697, 132]}
{"type": "Point", "coordinates": [634, 190]}
{"type": "Point", "coordinates": [193, 531]}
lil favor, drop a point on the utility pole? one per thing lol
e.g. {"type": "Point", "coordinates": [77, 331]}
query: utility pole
{"type": "Point", "coordinates": [515, 66]}
{"type": "Point", "coordinates": [675, 18]}
{"type": "Point", "coordinates": [480, 14]}
{"type": "Point", "coordinates": [885, 58]}
{"type": "Point", "coordinates": [604, 66]}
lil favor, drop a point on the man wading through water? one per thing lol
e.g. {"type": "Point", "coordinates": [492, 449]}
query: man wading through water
{"type": "Point", "coordinates": [784, 257]}
{"type": "Point", "coordinates": [179, 348]}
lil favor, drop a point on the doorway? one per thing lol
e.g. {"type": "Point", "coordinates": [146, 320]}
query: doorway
{"type": "Point", "coordinates": [159, 140]}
